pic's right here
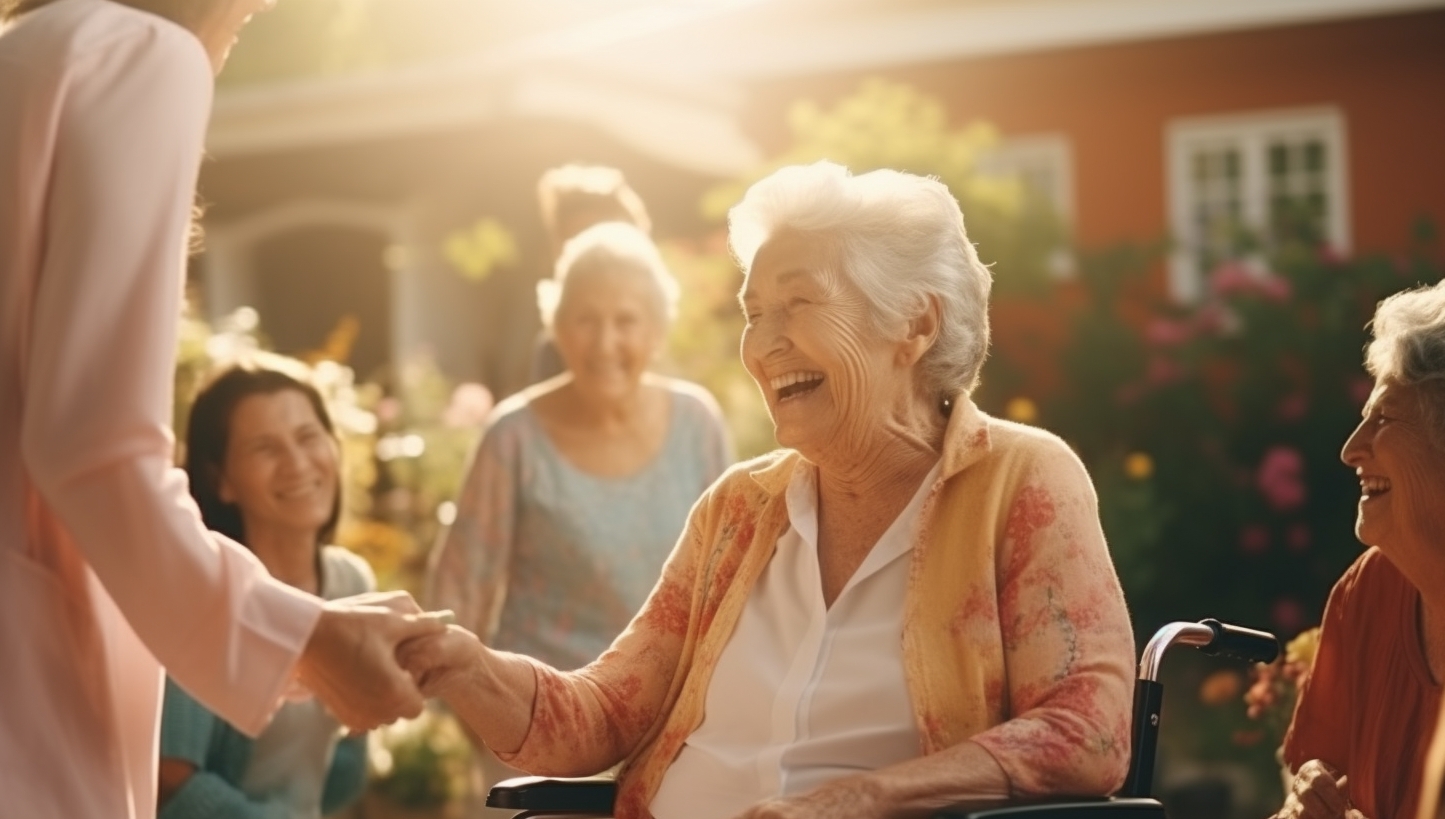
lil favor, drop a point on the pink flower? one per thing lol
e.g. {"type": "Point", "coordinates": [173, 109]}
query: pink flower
{"type": "Point", "coordinates": [388, 410]}
{"type": "Point", "coordinates": [1244, 278]}
{"type": "Point", "coordinates": [1163, 371]}
{"type": "Point", "coordinates": [1329, 254]}
{"type": "Point", "coordinates": [1298, 538]}
{"type": "Point", "coordinates": [1280, 478]}
{"type": "Point", "coordinates": [1167, 333]}
{"type": "Point", "coordinates": [1275, 289]}
{"type": "Point", "coordinates": [1287, 614]}
{"type": "Point", "coordinates": [1293, 407]}
{"type": "Point", "coordinates": [1253, 539]}
{"type": "Point", "coordinates": [1232, 277]}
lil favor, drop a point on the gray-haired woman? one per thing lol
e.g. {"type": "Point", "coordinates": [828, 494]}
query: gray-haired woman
{"type": "Point", "coordinates": [911, 605]}
{"type": "Point", "coordinates": [1360, 733]}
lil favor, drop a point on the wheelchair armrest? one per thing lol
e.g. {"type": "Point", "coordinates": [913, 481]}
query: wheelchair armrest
{"type": "Point", "coordinates": [594, 794]}
{"type": "Point", "coordinates": [1067, 808]}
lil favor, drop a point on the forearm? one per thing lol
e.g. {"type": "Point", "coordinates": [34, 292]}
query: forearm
{"type": "Point", "coordinates": [961, 774]}
{"type": "Point", "coordinates": [496, 699]}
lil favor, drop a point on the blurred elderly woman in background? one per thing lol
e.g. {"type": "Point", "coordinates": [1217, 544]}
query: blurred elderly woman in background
{"type": "Point", "coordinates": [909, 606]}
{"type": "Point", "coordinates": [1366, 711]}
{"type": "Point", "coordinates": [580, 484]}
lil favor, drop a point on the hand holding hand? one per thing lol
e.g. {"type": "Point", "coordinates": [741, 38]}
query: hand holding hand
{"type": "Point", "coordinates": [1318, 792]}
{"type": "Point", "coordinates": [350, 661]}
{"type": "Point", "coordinates": [439, 662]}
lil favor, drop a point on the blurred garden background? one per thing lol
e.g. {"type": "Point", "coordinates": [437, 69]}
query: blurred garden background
{"type": "Point", "coordinates": [1190, 213]}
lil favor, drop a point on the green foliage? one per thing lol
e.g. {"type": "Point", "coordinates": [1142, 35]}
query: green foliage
{"type": "Point", "coordinates": [482, 247]}
{"type": "Point", "coordinates": [420, 763]}
{"type": "Point", "coordinates": [703, 346]}
{"type": "Point", "coordinates": [892, 125]}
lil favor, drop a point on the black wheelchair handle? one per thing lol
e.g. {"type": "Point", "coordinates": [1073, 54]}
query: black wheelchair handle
{"type": "Point", "coordinates": [1240, 642]}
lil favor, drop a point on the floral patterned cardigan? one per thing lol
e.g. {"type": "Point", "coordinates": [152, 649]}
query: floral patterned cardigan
{"type": "Point", "coordinates": [1015, 632]}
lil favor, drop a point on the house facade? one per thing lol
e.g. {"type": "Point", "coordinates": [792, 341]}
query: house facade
{"type": "Point", "coordinates": [1190, 121]}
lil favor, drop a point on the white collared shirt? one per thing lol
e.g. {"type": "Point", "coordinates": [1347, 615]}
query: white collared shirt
{"type": "Point", "coordinates": [803, 693]}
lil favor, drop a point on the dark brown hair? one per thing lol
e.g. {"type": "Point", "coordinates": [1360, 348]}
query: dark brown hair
{"type": "Point", "coordinates": [208, 434]}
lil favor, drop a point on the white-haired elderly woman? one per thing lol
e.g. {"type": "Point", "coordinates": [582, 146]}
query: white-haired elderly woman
{"type": "Point", "coordinates": [910, 605]}
{"type": "Point", "coordinates": [580, 484]}
{"type": "Point", "coordinates": [1366, 712]}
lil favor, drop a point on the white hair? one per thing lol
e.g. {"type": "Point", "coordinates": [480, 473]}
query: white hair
{"type": "Point", "coordinates": [610, 247]}
{"type": "Point", "coordinates": [1409, 349]}
{"type": "Point", "coordinates": [900, 239]}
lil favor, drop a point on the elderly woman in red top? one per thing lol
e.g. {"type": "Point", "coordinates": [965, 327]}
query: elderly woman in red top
{"type": "Point", "coordinates": [1366, 712]}
{"type": "Point", "coordinates": [910, 605]}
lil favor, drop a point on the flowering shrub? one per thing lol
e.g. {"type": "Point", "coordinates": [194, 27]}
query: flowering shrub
{"type": "Point", "coordinates": [1274, 689]}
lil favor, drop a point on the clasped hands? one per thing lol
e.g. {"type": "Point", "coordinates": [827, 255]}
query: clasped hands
{"type": "Point", "coordinates": [1318, 791]}
{"type": "Point", "coordinates": [350, 662]}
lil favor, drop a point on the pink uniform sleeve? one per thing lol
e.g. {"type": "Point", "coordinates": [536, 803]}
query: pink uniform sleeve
{"type": "Point", "coordinates": [98, 381]}
{"type": "Point", "coordinates": [1068, 644]}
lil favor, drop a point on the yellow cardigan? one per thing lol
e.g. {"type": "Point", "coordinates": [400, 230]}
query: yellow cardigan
{"type": "Point", "coordinates": [1015, 636]}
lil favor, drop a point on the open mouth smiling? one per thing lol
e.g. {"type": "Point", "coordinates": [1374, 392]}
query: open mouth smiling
{"type": "Point", "coordinates": [795, 384]}
{"type": "Point", "coordinates": [1372, 486]}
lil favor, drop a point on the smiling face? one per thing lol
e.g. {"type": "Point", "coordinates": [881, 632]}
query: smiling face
{"type": "Point", "coordinates": [281, 467]}
{"type": "Point", "coordinates": [831, 379]}
{"type": "Point", "coordinates": [1402, 477]}
{"type": "Point", "coordinates": [608, 330]}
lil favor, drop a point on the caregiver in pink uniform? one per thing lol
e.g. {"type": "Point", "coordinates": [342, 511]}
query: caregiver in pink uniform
{"type": "Point", "coordinates": [106, 572]}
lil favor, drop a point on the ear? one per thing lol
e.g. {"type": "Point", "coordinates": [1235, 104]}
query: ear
{"type": "Point", "coordinates": [921, 333]}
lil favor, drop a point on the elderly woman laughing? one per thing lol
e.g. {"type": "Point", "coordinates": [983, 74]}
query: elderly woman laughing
{"type": "Point", "coordinates": [908, 606]}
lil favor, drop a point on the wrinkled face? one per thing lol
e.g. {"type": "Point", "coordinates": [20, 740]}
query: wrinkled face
{"type": "Point", "coordinates": [608, 332]}
{"type": "Point", "coordinates": [281, 466]}
{"type": "Point", "coordinates": [828, 376]}
{"type": "Point", "coordinates": [1402, 474]}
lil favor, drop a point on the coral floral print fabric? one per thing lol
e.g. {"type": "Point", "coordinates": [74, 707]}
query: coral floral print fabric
{"type": "Point", "coordinates": [1015, 635]}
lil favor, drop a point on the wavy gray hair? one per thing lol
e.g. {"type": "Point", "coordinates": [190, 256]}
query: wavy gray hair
{"type": "Point", "coordinates": [900, 238]}
{"type": "Point", "coordinates": [1409, 349]}
{"type": "Point", "coordinates": [610, 247]}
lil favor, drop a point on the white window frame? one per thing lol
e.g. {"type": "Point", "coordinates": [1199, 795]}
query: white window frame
{"type": "Point", "coordinates": [1252, 133]}
{"type": "Point", "coordinates": [1017, 154]}
{"type": "Point", "coordinates": [1013, 154]}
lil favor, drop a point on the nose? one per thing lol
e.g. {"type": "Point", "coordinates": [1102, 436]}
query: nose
{"type": "Point", "coordinates": [293, 458]}
{"type": "Point", "coordinates": [766, 337]}
{"type": "Point", "coordinates": [1357, 446]}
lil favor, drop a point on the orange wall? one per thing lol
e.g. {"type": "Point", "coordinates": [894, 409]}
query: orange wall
{"type": "Point", "coordinates": [1387, 74]}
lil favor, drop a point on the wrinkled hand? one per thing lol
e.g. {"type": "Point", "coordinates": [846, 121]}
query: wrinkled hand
{"type": "Point", "coordinates": [440, 662]}
{"type": "Point", "coordinates": [350, 661]}
{"type": "Point", "coordinates": [1318, 792]}
{"type": "Point", "coordinates": [852, 797]}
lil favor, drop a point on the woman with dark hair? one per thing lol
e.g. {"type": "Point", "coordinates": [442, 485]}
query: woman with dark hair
{"type": "Point", "coordinates": [264, 467]}
{"type": "Point", "coordinates": [107, 573]}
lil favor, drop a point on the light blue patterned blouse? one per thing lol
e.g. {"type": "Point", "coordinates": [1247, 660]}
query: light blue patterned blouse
{"type": "Point", "coordinates": [546, 560]}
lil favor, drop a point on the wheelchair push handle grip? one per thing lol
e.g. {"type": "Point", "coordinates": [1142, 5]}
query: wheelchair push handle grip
{"type": "Point", "coordinates": [1240, 642]}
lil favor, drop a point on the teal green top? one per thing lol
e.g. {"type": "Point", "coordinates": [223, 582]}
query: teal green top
{"type": "Point", "coordinates": [296, 769]}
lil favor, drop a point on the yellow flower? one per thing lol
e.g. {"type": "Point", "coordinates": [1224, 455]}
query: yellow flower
{"type": "Point", "coordinates": [1022, 410]}
{"type": "Point", "coordinates": [1302, 649]}
{"type": "Point", "coordinates": [1138, 465]}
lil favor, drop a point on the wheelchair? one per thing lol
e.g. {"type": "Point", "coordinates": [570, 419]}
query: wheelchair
{"type": "Point", "coordinates": [535, 796]}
